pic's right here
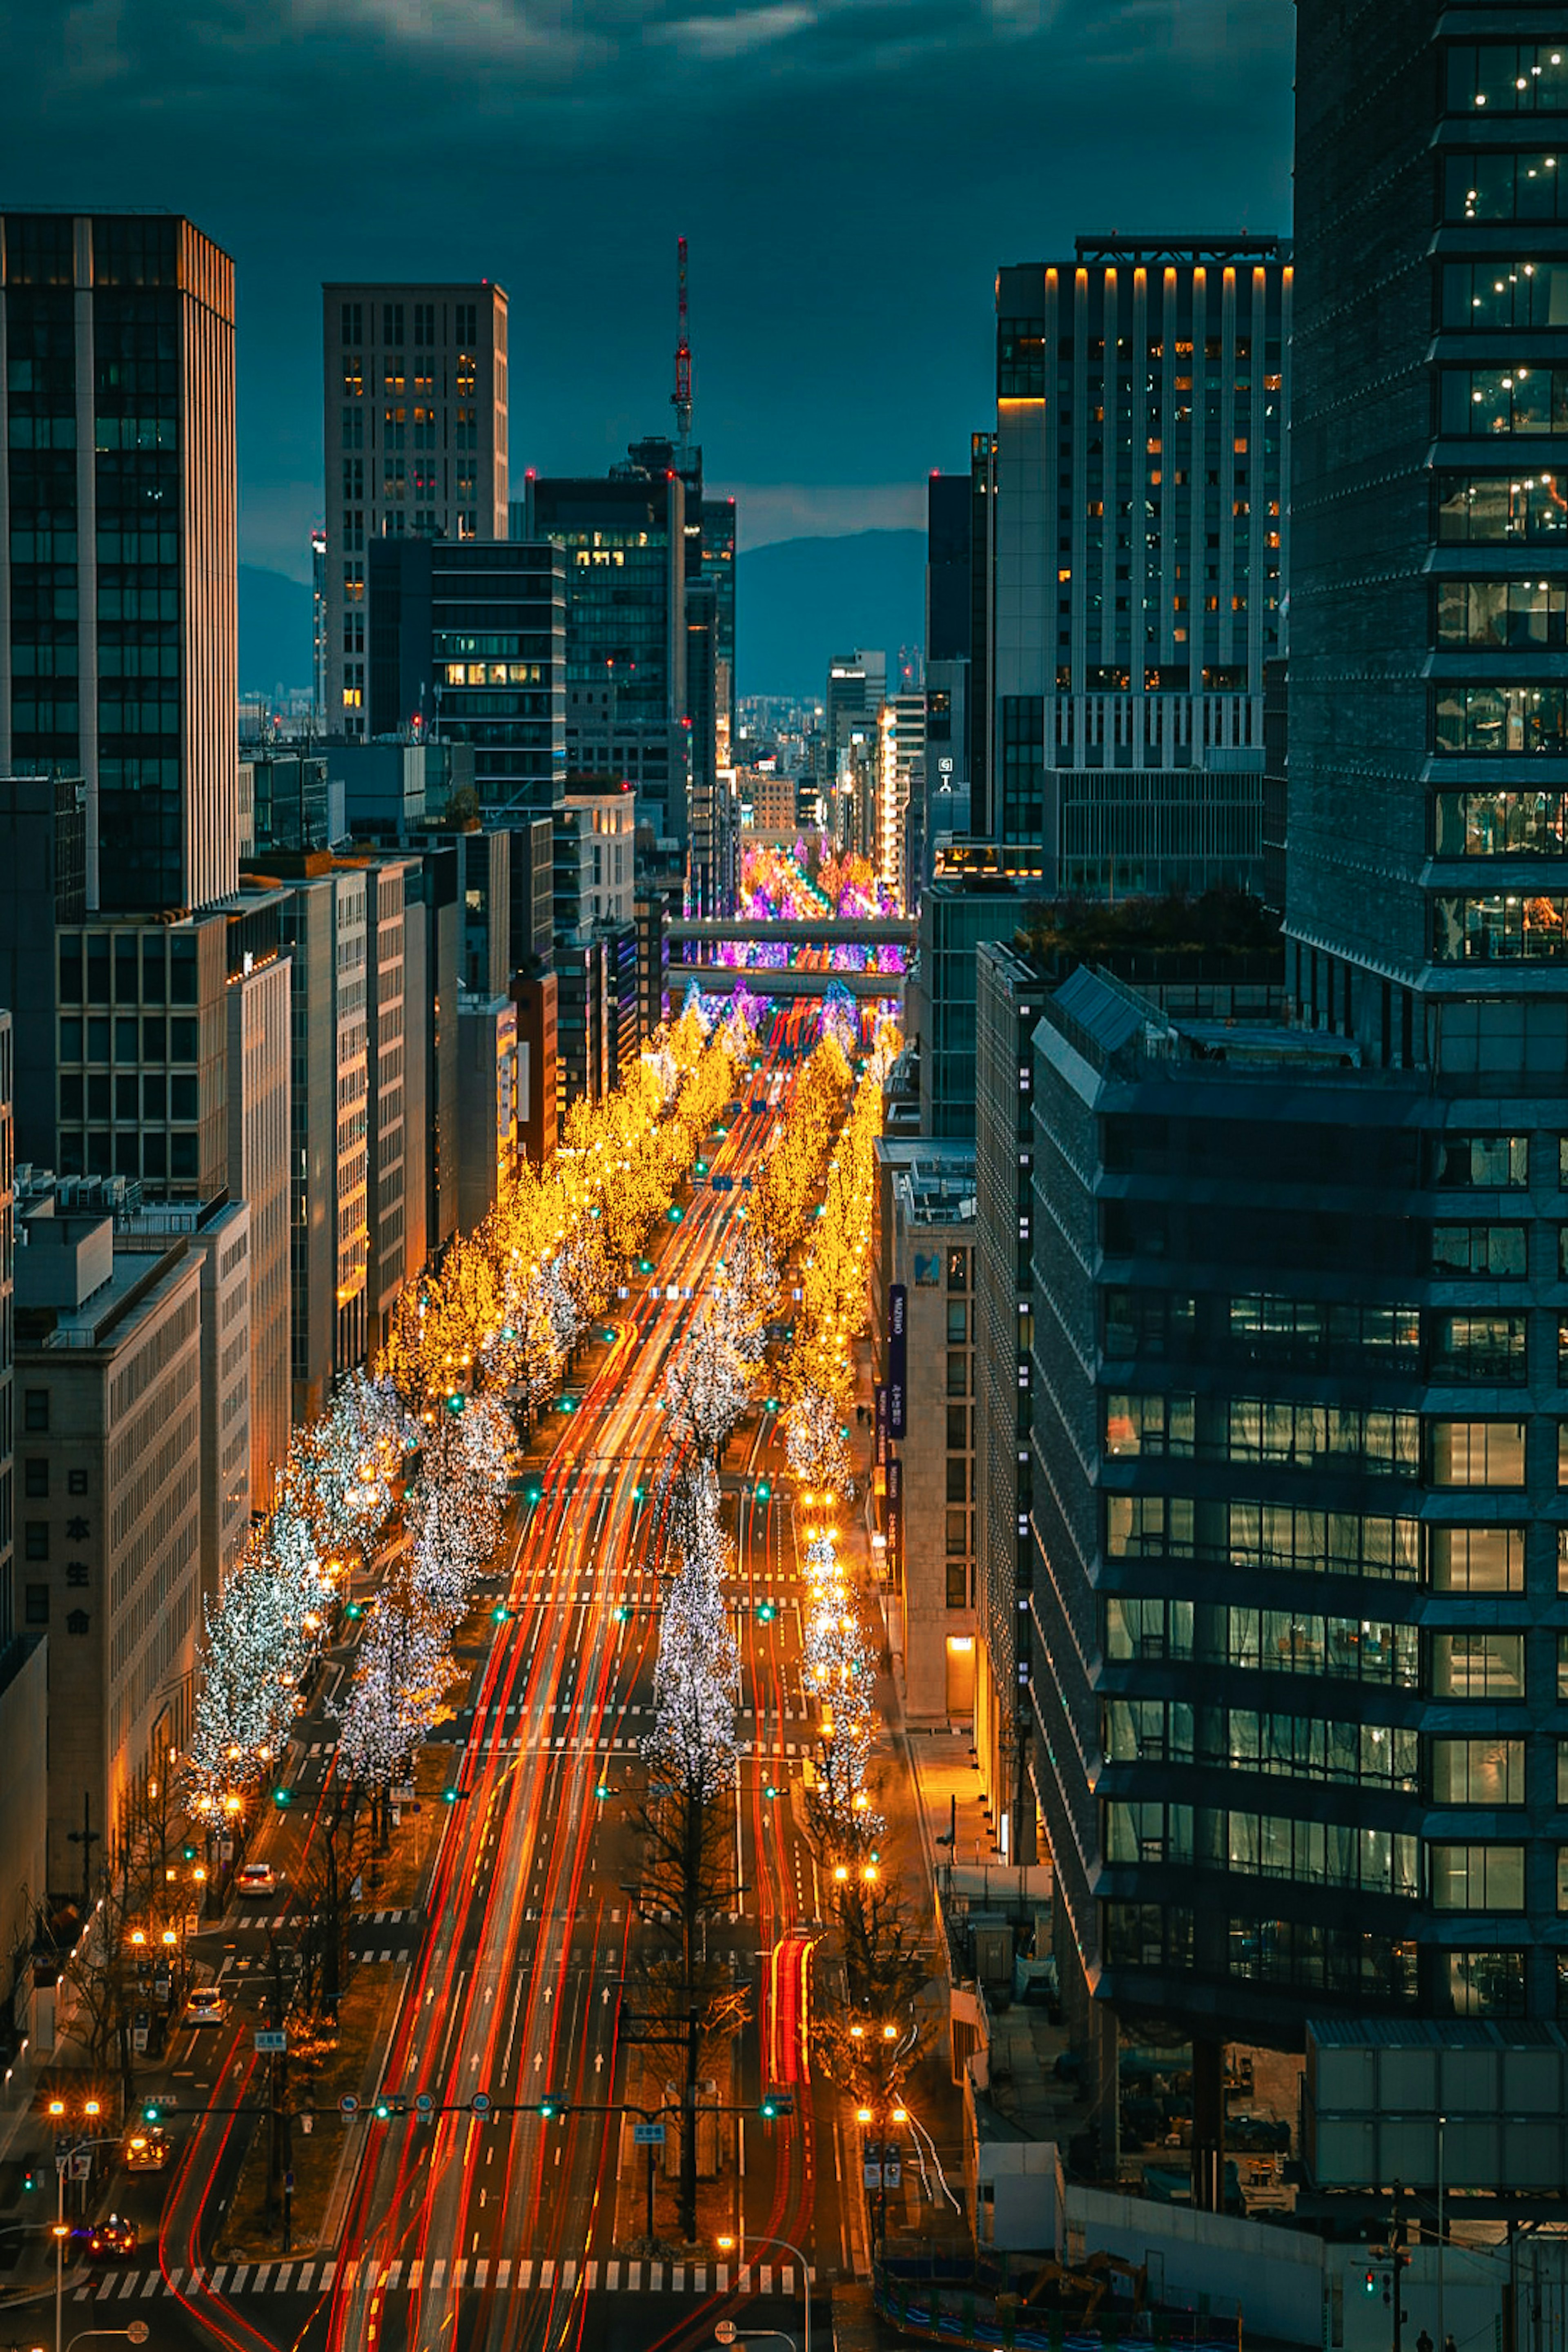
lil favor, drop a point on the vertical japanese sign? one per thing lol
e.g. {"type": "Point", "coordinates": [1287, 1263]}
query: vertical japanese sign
{"type": "Point", "coordinates": [897, 1357]}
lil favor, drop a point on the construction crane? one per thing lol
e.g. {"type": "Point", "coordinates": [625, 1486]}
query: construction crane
{"type": "Point", "coordinates": [680, 398]}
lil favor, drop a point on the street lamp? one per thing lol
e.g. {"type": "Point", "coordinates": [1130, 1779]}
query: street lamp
{"type": "Point", "coordinates": [725, 2245]}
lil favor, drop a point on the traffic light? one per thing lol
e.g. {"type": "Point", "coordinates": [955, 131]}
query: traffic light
{"type": "Point", "coordinates": [766, 1612]}
{"type": "Point", "coordinates": [456, 1402]}
{"type": "Point", "coordinates": [156, 2109]}
{"type": "Point", "coordinates": [620, 1612]}
{"type": "Point", "coordinates": [549, 2108]}
{"type": "Point", "coordinates": [637, 1494]}
{"type": "Point", "coordinates": [676, 1212]}
{"type": "Point", "coordinates": [764, 1491]}
{"type": "Point", "coordinates": [701, 1167]}
{"type": "Point", "coordinates": [770, 1405]}
{"type": "Point", "coordinates": [776, 2103]}
{"type": "Point", "coordinates": [533, 1492]}
{"type": "Point", "coordinates": [30, 2178]}
{"type": "Point", "coordinates": [603, 1790]}
{"type": "Point", "coordinates": [354, 1609]}
{"type": "Point", "coordinates": [1372, 2282]}
{"type": "Point", "coordinates": [501, 1614]}
{"type": "Point", "coordinates": [449, 1796]}
{"type": "Point", "coordinates": [644, 1266]}
{"type": "Point", "coordinates": [282, 1797]}
{"type": "Point", "coordinates": [770, 1792]}
{"type": "Point", "coordinates": [189, 1851]}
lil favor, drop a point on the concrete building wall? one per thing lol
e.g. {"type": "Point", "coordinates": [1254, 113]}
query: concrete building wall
{"type": "Point", "coordinates": [258, 1162]}
{"type": "Point", "coordinates": [23, 1816]}
{"type": "Point", "coordinates": [113, 1420]}
{"type": "Point", "coordinates": [926, 1243]}
{"type": "Point", "coordinates": [488, 1102]}
{"type": "Point", "coordinates": [223, 1247]}
{"type": "Point", "coordinates": [386, 1064]}
{"type": "Point", "coordinates": [7, 1332]}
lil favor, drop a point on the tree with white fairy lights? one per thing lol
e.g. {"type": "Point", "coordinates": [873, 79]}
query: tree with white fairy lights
{"type": "Point", "coordinates": [680, 1818]}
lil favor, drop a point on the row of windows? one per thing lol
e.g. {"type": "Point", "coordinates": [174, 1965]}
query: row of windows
{"type": "Point", "coordinates": [1503, 615]}
{"type": "Point", "coordinates": [1487, 510]}
{"type": "Point", "coordinates": [1497, 721]}
{"type": "Point", "coordinates": [1495, 295]}
{"type": "Point", "coordinates": [1471, 1662]}
{"type": "Point", "coordinates": [1311, 1746]}
{"type": "Point", "coordinates": [1272, 1845]}
{"type": "Point", "coordinates": [1500, 825]}
{"type": "Point", "coordinates": [1498, 927]}
{"type": "Point", "coordinates": [1257, 1429]}
{"type": "Point", "coordinates": [1262, 1536]}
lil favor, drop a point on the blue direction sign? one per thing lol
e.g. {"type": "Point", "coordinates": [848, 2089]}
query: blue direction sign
{"type": "Point", "coordinates": [648, 2135]}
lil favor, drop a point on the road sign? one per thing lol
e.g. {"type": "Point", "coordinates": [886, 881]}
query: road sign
{"type": "Point", "coordinates": [725, 2332]}
{"type": "Point", "coordinates": [425, 2105]}
{"type": "Point", "coordinates": [62, 2163]}
{"type": "Point", "coordinates": [139, 2040]}
{"type": "Point", "coordinates": [289, 2182]}
{"type": "Point", "coordinates": [271, 2042]}
{"type": "Point", "coordinates": [82, 2164]}
{"type": "Point", "coordinates": [348, 2105]}
{"type": "Point", "coordinates": [404, 1793]}
{"type": "Point", "coordinates": [648, 2135]}
{"type": "Point", "coordinates": [137, 2332]}
{"type": "Point", "coordinates": [481, 2104]}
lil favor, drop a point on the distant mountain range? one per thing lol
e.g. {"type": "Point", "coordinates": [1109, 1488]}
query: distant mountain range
{"type": "Point", "coordinates": [798, 603]}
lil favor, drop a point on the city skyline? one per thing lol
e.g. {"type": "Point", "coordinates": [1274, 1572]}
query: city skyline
{"type": "Point", "coordinates": [981, 136]}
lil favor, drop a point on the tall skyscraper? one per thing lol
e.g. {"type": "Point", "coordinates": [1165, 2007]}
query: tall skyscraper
{"type": "Point", "coordinates": [416, 441]}
{"type": "Point", "coordinates": [119, 599]}
{"type": "Point", "coordinates": [1140, 487]}
{"type": "Point", "coordinates": [624, 539]}
{"type": "Point", "coordinates": [468, 642]}
{"type": "Point", "coordinates": [1299, 1353]}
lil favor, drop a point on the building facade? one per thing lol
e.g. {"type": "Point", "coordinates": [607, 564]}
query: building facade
{"type": "Point", "coordinates": [259, 1060]}
{"type": "Point", "coordinates": [1010, 996]}
{"type": "Point", "coordinates": [415, 432]}
{"type": "Point", "coordinates": [119, 603]}
{"type": "Point", "coordinates": [925, 1248]}
{"type": "Point", "coordinates": [43, 881]}
{"type": "Point", "coordinates": [1139, 561]}
{"type": "Point", "coordinates": [468, 645]}
{"type": "Point", "coordinates": [623, 541]}
{"type": "Point", "coordinates": [110, 1451]}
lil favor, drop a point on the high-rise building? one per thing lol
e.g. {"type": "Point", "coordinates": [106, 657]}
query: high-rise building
{"type": "Point", "coordinates": [259, 1061]}
{"type": "Point", "coordinates": [925, 1249]}
{"type": "Point", "coordinates": [981, 721]}
{"type": "Point", "coordinates": [857, 689]}
{"type": "Point", "coordinates": [624, 539]}
{"type": "Point", "coordinates": [390, 1019]}
{"type": "Point", "coordinates": [595, 956]}
{"type": "Point", "coordinates": [119, 603]}
{"type": "Point", "coordinates": [415, 442]}
{"type": "Point", "coordinates": [1011, 993]}
{"type": "Point", "coordinates": [43, 881]}
{"type": "Point", "coordinates": [109, 1352]}
{"type": "Point", "coordinates": [467, 644]}
{"type": "Point", "coordinates": [1139, 557]}
{"type": "Point", "coordinates": [950, 500]}
{"type": "Point", "coordinates": [1297, 1418]}
{"type": "Point", "coordinates": [319, 632]}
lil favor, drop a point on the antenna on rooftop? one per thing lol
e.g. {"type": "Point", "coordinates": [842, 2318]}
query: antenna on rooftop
{"type": "Point", "coordinates": [680, 398]}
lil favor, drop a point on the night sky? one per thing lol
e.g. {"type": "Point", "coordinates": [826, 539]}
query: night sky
{"type": "Point", "coordinates": [849, 173]}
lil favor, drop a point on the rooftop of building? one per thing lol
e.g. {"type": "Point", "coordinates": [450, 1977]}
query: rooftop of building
{"type": "Point", "coordinates": [933, 1177]}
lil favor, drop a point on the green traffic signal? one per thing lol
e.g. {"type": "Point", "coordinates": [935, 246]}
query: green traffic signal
{"type": "Point", "coordinates": [282, 1796]}
{"type": "Point", "coordinates": [770, 1405]}
{"type": "Point", "coordinates": [770, 1792]}
{"type": "Point", "coordinates": [620, 1612]}
{"type": "Point", "coordinates": [30, 2178]}
{"type": "Point", "coordinates": [644, 1266]}
{"type": "Point", "coordinates": [354, 1609]}
{"type": "Point", "coordinates": [764, 1491]}
{"type": "Point", "coordinates": [637, 1494]}
{"type": "Point", "coordinates": [676, 1212]}
{"type": "Point", "coordinates": [603, 1790]}
{"type": "Point", "coordinates": [189, 1851]}
{"type": "Point", "coordinates": [450, 1796]}
{"type": "Point", "coordinates": [550, 2109]}
{"type": "Point", "coordinates": [533, 1492]}
{"type": "Point", "coordinates": [766, 1612]}
{"type": "Point", "coordinates": [383, 2110]}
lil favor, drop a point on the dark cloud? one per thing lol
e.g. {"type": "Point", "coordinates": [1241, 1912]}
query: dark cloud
{"type": "Point", "coordinates": [849, 172]}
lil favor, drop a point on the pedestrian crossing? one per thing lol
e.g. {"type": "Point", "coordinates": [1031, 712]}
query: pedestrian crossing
{"type": "Point", "coordinates": [463, 1716]}
{"type": "Point", "coordinates": [311, 2276]}
{"type": "Point", "coordinates": [520, 1744]}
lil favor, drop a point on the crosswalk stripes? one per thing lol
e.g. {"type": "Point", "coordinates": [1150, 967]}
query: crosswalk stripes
{"type": "Point", "coordinates": [311, 2276]}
